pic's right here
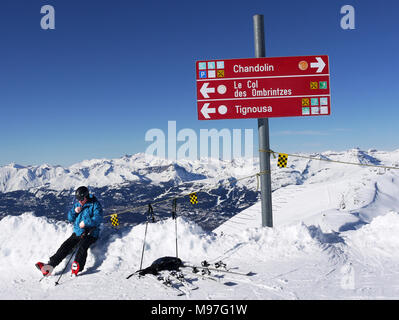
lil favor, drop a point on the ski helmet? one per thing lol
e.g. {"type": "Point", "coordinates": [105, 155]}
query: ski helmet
{"type": "Point", "coordinates": [81, 193]}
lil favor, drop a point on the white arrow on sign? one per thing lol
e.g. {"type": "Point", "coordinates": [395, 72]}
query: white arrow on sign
{"type": "Point", "coordinates": [206, 111]}
{"type": "Point", "coordinates": [205, 90]}
{"type": "Point", "coordinates": [319, 64]}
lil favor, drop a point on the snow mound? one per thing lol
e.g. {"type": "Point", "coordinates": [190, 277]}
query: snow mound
{"type": "Point", "coordinates": [26, 239]}
{"type": "Point", "coordinates": [125, 248]}
{"type": "Point", "coordinates": [284, 242]}
{"type": "Point", "coordinates": [379, 238]}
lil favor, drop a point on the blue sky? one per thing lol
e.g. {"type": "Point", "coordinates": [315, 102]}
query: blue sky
{"type": "Point", "coordinates": [112, 70]}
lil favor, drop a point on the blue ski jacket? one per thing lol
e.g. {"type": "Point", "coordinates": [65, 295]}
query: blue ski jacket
{"type": "Point", "coordinates": [91, 215]}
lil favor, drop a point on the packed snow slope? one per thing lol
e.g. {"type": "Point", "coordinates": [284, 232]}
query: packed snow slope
{"type": "Point", "coordinates": [335, 236]}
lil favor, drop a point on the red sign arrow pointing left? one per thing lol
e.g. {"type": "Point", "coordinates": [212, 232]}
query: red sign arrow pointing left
{"type": "Point", "coordinates": [205, 110]}
{"type": "Point", "coordinates": [205, 90]}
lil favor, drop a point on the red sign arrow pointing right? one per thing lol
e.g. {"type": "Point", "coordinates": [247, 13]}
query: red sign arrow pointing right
{"type": "Point", "coordinates": [319, 64]}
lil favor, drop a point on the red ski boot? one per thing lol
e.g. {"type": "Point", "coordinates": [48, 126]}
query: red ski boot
{"type": "Point", "coordinates": [46, 269]}
{"type": "Point", "coordinates": [75, 268]}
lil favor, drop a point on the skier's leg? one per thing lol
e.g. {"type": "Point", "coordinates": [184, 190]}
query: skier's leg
{"type": "Point", "coordinates": [81, 255]}
{"type": "Point", "coordinates": [64, 250]}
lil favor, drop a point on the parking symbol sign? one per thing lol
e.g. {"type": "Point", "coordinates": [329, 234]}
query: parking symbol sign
{"type": "Point", "coordinates": [202, 74]}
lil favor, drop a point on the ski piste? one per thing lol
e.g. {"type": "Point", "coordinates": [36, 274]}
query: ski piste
{"type": "Point", "coordinates": [52, 279]}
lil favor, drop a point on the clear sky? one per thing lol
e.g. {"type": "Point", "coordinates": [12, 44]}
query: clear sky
{"type": "Point", "coordinates": [112, 70]}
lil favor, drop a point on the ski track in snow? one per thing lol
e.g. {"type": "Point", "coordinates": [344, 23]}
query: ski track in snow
{"type": "Point", "coordinates": [335, 236]}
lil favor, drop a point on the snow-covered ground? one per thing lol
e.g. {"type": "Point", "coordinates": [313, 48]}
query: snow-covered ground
{"type": "Point", "coordinates": [335, 236]}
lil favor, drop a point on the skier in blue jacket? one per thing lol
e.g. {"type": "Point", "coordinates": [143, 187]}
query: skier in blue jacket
{"type": "Point", "coordinates": [86, 216]}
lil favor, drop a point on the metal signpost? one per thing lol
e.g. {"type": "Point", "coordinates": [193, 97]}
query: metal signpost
{"type": "Point", "coordinates": [263, 136]}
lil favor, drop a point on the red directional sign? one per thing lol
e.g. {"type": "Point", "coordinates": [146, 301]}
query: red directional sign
{"type": "Point", "coordinates": [263, 87]}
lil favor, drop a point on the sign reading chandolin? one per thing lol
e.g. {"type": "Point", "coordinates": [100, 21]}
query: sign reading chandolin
{"type": "Point", "coordinates": [258, 68]}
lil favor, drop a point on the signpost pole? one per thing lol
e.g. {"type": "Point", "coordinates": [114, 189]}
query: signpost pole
{"type": "Point", "coordinates": [263, 131]}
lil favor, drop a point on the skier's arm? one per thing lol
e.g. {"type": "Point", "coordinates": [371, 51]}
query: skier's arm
{"type": "Point", "coordinates": [72, 214]}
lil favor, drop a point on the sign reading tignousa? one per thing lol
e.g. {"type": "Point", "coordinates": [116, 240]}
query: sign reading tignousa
{"type": "Point", "coordinates": [263, 87]}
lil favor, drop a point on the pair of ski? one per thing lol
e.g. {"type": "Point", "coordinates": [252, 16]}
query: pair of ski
{"type": "Point", "coordinates": [170, 280]}
{"type": "Point", "coordinates": [177, 282]}
{"type": "Point", "coordinates": [219, 266]}
{"type": "Point", "coordinates": [217, 274]}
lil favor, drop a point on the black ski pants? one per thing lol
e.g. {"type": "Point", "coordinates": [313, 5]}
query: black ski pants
{"type": "Point", "coordinates": [69, 245]}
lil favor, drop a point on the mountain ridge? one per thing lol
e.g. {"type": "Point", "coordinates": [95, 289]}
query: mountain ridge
{"type": "Point", "coordinates": [129, 168]}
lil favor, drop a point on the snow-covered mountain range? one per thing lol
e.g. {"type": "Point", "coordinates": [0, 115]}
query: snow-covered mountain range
{"type": "Point", "coordinates": [136, 180]}
{"type": "Point", "coordinates": [129, 182]}
{"type": "Point", "coordinates": [98, 173]}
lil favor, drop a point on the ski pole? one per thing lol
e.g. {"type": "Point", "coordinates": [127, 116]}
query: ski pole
{"type": "Point", "coordinates": [83, 235]}
{"type": "Point", "coordinates": [150, 212]}
{"type": "Point", "coordinates": [174, 216]}
{"type": "Point", "coordinates": [142, 252]}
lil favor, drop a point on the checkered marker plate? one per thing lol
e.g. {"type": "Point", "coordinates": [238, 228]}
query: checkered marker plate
{"type": "Point", "coordinates": [114, 220]}
{"type": "Point", "coordinates": [282, 160]}
{"type": "Point", "coordinates": [193, 198]}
